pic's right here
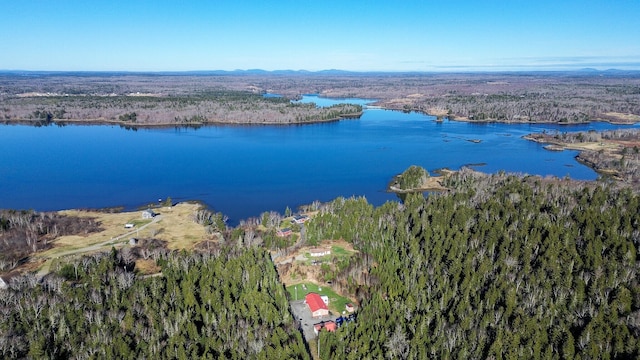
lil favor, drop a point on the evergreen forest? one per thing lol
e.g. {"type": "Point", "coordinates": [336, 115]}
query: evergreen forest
{"type": "Point", "coordinates": [498, 267]}
{"type": "Point", "coordinates": [223, 304]}
{"type": "Point", "coordinates": [501, 267]}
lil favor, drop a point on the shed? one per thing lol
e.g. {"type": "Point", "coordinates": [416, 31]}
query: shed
{"type": "Point", "coordinates": [317, 307]}
{"type": "Point", "coordinates": [284, 232]}
{"type": "Point", "coordinates": [317, 252]}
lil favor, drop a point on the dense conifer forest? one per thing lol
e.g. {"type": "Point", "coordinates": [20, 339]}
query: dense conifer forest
{"type": "Point", "coordinates": [499, 267]}
{"type": "Point", "coordinates": [223, 304]}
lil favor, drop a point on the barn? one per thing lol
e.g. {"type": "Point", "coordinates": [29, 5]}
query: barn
{"type": "Point", "coordinates": [317, 307]}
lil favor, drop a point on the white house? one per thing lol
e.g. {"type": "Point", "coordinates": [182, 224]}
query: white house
{"type": "Point", "coordinates": [148, 214]}
{"type": "Point", "coordinates": [317, 252]}
{"type": "Point", "coordinates": [3, 285]}
{"type": "Point", "coordinates": [300, 219]}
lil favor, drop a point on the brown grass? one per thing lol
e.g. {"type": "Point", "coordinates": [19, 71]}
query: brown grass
{"type": "Point", "coordinates": [623, 117]}
{"type": "Point", "coordinates": [173, 225]}
{"type": "Point", "coordinates": [147, 267]}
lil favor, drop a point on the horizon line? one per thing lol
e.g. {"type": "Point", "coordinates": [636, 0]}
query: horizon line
{"type": "Point", "coordinates": [451, 69]}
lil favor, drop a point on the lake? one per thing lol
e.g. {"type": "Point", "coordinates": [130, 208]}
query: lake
{"type": "Point", "coordinates": [243, 171]}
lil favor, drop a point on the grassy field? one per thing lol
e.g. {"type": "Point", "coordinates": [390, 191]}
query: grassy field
{"type": "Point", "coordinates": [336, 302]}
{"type": "Point", "coordinates": [173, 225]}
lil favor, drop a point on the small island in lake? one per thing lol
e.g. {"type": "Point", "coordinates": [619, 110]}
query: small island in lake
{"type": "Point", "coordinates": [417, 179]}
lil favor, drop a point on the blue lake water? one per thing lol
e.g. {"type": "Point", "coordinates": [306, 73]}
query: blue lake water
{"type": "Point", "coordinates": [245, 170]}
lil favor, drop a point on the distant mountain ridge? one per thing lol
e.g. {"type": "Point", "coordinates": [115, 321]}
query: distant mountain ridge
{"type": "Point", "coordinates": [303, 72]}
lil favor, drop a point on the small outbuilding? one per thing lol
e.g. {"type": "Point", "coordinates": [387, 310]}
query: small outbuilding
{"type": "Point", "coordinates": [3, 284]}
{"type": "Point", "coordinates": [317, 252]}
{"type": "Point", "coordinates": [284, 232]}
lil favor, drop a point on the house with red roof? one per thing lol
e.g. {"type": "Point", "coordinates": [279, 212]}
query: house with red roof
{"type": "Point", "coordinates": [330, 326]}
{"type": "Point", "coordinates": [284, 232]}
{"type": "Point", "coordinates": [327, 325]}
{"type": "Point", "coordinates": [317, 307]}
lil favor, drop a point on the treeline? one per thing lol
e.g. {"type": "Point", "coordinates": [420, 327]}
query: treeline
{"type": "Point", "coordinates": [500, 267]}
{"type": "Point", "coordinates": [237, 107]}
{"type": "Point", "coordinates": [523, 98]}
{"type": "Point", "coordinates": [562, 97]}
{"type": "Point", "coordinates": [225, 303]}
{"type": "Point", "coordinates": [24, 232]}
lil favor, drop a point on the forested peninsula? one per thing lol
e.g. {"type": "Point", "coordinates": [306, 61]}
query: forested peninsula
{"type": "Point", "coordinates": [500, 266]}
{"type": "Point", "coordinates": [145, 110]}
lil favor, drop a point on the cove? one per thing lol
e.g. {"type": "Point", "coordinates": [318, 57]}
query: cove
{"type": "Point", "coordinates": [243, 171]}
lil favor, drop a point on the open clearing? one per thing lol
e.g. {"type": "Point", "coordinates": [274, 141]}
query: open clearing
{"type": "Point", "coordinates": [171, 224]}
{"type": "Point", "coordinates": [299, 268]}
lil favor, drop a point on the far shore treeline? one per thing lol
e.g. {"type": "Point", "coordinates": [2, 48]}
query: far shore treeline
{"type": "Point", "coordinates": [139, 99]}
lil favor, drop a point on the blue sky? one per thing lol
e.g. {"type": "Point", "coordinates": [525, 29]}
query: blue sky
{"type": "Point", "coordinates": [443, 35]}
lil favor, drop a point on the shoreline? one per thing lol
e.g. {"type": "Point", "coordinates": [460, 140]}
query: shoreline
{"type": "Point", "coordinates": [441, 116]}
{"type": "Point", "coordinates": [102, 122]}
{"type": "Point", "coordinates": [610, 150]}
{"type": "Point", "coordinates": [492, 121]}
{"type": "Point", "coordinates": [440, 119]}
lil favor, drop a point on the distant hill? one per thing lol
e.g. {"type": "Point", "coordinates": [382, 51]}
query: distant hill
{"type": "Point", "coordinates": [590, 71]}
